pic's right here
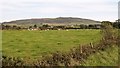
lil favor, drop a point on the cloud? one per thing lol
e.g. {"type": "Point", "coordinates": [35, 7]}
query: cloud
{"type": "Point", "coordinates": [94, 9]}
{"type": "Point", "coordinates": [51, 10]}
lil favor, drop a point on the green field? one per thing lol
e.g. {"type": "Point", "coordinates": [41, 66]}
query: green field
{"type": "Point", "coordinates": [34, 44]}
{"type": "Point", "coordinates": [0, 43]}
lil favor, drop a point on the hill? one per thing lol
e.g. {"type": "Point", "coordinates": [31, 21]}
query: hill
{"type": "Point", "coordinates": [54, 21]}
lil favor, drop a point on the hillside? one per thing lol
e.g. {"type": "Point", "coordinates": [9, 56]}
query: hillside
{"type": "Point", "coordinates": [54, 21]}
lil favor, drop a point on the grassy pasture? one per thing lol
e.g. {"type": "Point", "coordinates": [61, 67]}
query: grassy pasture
{"type": "Point", "coordinates": [34, 44]}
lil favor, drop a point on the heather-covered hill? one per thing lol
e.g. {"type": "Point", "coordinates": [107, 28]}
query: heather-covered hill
{"type": "Point", "coordinates": [52, 21]}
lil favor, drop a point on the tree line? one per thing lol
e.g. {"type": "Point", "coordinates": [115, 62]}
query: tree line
{"type": "Point", "coordinates": [62, 27]}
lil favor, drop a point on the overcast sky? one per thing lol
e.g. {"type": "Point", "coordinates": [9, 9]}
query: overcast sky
{"type": "Point", "coordinates": [90, 9]}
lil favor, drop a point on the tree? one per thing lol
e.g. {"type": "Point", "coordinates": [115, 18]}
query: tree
{"type": "Point", "coordinates": [14, 27]}
{"type": "Point", "coordinates": [30, 27]}
{"type": "Point", "coordinates": [46, 25]}
{"type": "Point", "coordinates": [91, 26]}
{"type": "Point", "coordinates": [116, 24]}
{"type": "Point", "coordinates": [7, 27]}
{"type": "Point", "coordinates": [83, 26]}
{"type": "Point", "coordinates": [109, 33]}
{"type": "Point", "coordinates": [105, 23]}
{"type": "Point", "coordinates": [35, 26]}
{"type": "Point", "coordinates": [2, 26]}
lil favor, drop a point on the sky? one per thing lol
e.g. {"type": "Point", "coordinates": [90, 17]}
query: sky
{"type": "Point", "coordinates": [100, 10]}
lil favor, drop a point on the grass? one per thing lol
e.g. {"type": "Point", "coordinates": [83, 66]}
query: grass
{"type": "Point", "coordinates": [109, 57]}
{"type": "Point", "coordinates": [34, 44]}
{"type": "Point", "coordinates": [0, 43]}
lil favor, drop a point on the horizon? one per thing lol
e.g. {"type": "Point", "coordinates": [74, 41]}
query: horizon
{"type": "Point", "coordinates": [52, 18]}
{"type": "Point", "coordinates": [98, 10]}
